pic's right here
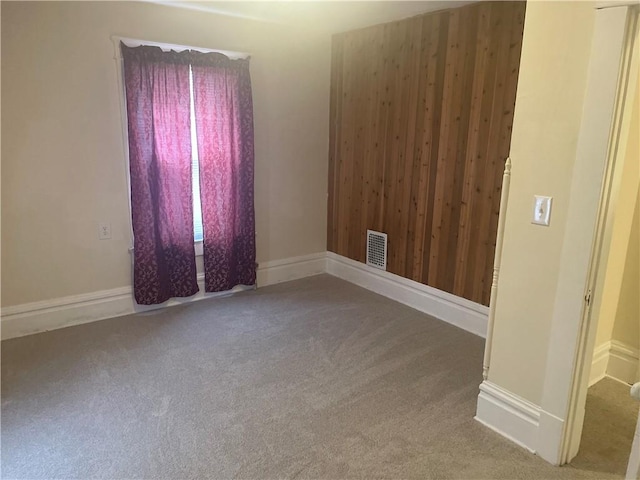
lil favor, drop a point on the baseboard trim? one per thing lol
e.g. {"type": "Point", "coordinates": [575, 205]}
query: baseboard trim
{"type": "Point", "coordinates": [29, 318]}
{"type": "Point", "coordinates": [623, 362]}
{"type": "Point", "coordinates": [449, 308]}
{"type": "Point", "coordinates": [549, 444]}
{"type": "Point", "coordinates": [35, 317]}
{"type": "Point", "coordinates": [294, 268]}
{"type": "Point", "coordinates": [599, 363]}
{"type": "Point", "coordinates": [26, 319]}
{"type": "Point", "coordinates": [509, 415]}
{"type": "Point", "coordinates": [533, 428]}
{"type": "Point", "coordinates": [615, 360]}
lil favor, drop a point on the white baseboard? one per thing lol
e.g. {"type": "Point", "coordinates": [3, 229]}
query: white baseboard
{"type": "Point", "coordinates": [599, 363]}
{"type": "Point", "coordinates": [615, 360]}
{"type": "Point", "coordinates": [550, 434]}
{"type": "Point", "coordinates": [458, 311]}
{"type": "Point", "coordinates": [535, 429]}
{"type": "Point", "coordinates": [25, 319]}
{"type": "Point", "coordinates": [509, 415]}
{"type": "Point", "coordinates": [623, 362]}
{"type": "Point", "coordinates": [278, 271]}
{"type": "Point", "coordinates": [37, 317]}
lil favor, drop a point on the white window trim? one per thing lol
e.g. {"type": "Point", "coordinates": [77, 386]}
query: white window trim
{"type": "Point", "coordinates": [134, 42]}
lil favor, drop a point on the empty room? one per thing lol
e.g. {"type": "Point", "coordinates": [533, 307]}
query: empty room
{"type": "Point", "coordinates": [319, 239]}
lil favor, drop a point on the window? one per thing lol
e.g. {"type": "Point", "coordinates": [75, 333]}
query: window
{"type": "Point", "coordinates": [198, 229]}
{"type": "Point", "coordinates": [191, 164]}
{"type": "Point", "coordinates": [195, 168]}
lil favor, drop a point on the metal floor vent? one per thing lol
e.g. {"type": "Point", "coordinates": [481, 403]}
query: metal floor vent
{"type": "Point", "coordinates": [377, 249]}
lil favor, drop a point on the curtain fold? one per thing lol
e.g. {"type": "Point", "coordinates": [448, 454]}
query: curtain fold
{"type": "Point", "coordinates": [158, 110]}
{"type": "Point", "coordinates": [224, 126]}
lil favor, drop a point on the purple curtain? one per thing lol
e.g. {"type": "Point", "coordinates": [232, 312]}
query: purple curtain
{"type": "Point", "coordinates": [224, 126]}
{"type": "Point", "coordinates": [157, 91]}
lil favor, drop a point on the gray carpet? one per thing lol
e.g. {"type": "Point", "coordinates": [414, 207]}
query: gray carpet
{"type": "Point", "coordinates": [609, 424]}
{"type": "Point", "coordinates": [315, 378]}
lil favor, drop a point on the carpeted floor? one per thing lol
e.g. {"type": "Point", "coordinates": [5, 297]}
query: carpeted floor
{"type": "Point", "coordinates": [609, 424]}
{"type": "Point", "coordinates": [315, 378]}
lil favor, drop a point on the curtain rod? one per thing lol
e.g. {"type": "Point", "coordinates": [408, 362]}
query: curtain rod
{"type": "Point", "coordinates": [136, 42]}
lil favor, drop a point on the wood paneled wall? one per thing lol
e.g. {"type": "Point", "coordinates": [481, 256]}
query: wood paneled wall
{"type": "Point", "coordinates": [421, 116]}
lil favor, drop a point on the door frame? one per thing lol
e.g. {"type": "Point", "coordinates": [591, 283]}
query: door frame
{"type": "Point", "coordinates": [613, 68]}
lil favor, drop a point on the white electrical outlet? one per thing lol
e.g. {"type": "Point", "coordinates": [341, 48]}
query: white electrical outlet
{"type": "Point", "coordinates": [104, 231]}
{"type": "Point", "coordinates": [541, 210]}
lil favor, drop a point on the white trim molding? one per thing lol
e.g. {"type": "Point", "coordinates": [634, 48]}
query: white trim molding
{"type": "Point", "coordinates": [615, 360]}
{"type": "Point", "coordinates": [599, 363]}
{"type": "Point", "coordinates": [518, 420]}
{"type": "Point", "coordinates": [444, 306]}
{"type": "Point", "coordinates": [623, 362]}
{"type": "Point", "coordinates": [25, 319]}
{"type": "Point", "coordinates": [535, 429]}
{"type": "Point", "coordinates": [294, 268]}
{"type": "Point", "coordinates": [509, 415]}
{"type": "Point", "coordinates": [497, 260]}
{"type": "Point", "coordinates": [20, 320]}
{"type": "Point", "coordinates": [28, 318]}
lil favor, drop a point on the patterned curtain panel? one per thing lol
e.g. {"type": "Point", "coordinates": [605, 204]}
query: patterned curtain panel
{"type": "Point", "coordinates": [224, 126]}
{"type": "Point", "coordinates": [157, 92]}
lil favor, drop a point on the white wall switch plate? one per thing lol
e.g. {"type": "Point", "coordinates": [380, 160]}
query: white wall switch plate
{"type": "Point", "coordinates": [104, 231]}
{"type": "Point", "coordinates": [541, 210]}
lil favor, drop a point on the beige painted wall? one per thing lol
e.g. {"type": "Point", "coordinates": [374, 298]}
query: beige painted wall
{"type": "Point", "coordinates": [548, 112]}
{"type": "Point", "coordinates": [63, 167]}
{"type": "Point", "coordinates": [626, 328]}
{"type": "Point", "coordinates": [620, 267]}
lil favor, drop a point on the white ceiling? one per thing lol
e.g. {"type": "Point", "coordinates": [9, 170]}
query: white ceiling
{"type": "Point", "coordinates": [328, 15]}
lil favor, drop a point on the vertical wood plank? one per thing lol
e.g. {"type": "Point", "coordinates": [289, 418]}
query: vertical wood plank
{"type": "Point", "coordinates": [334, 141]}
{"type": "Point", "coordinates": [474, 136]}
{"type": "Point", "coordinates": [433, 124]}
{"type": "Point", "coordinates": [478, 191]}
{"type": "Point", "coordinates": [370, 198]}
{"type": "Point", "coordinates": [493, 162]}
{"type": "Point", "coordinates": [400, 139]}
{"type": "Point", "coordinates": [448, 131]}
{"type": "Point", "coordinates": [379, 128]}
{"type": "Point", "coordinates": [360, 104]}
{"type": "Point", "coordinates": [406, 202]}
{"type": "Point", "coordinates": [428, 26]}
{"type": "Point", "coordinates": [458, 148]}
{"type": "Point", "coordinates": [394, 139]}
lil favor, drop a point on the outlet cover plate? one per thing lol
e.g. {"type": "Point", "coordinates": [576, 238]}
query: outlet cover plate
{"type": "Point", "coordinates": [104, 231]}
